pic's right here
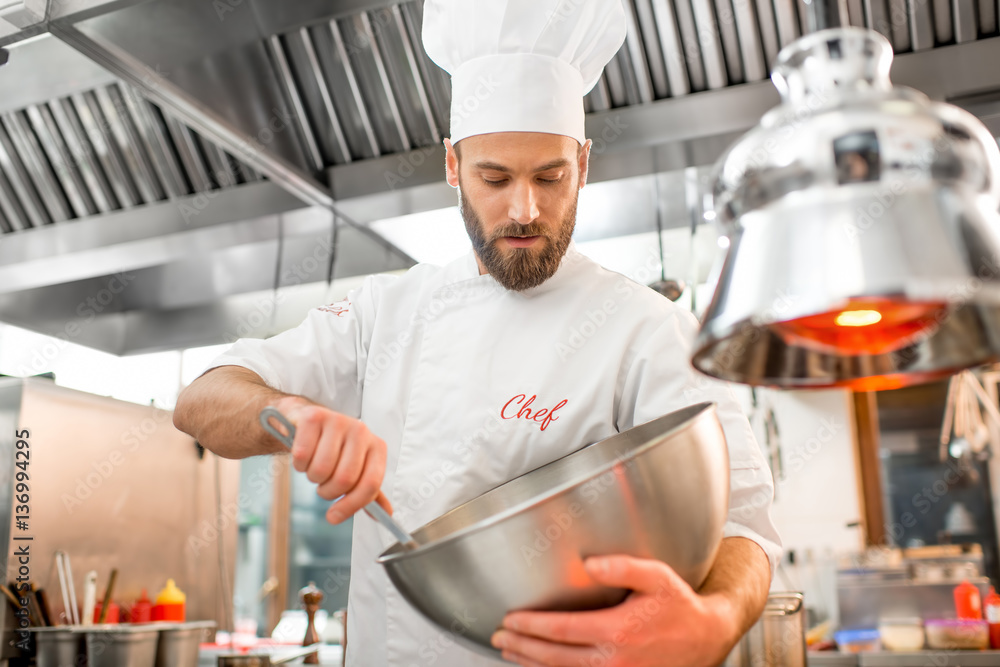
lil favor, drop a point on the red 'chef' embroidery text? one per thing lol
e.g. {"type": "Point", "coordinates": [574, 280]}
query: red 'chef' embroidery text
{"type": "Point", "coordinates": [519, 408]}
{"type": "Point", "coordinates": [339, 309]}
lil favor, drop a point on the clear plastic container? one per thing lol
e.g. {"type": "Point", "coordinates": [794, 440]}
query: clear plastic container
{"type": "Point", "coordinates": [957, 634]}
{"type": "Point", "coordinates": [858, 641]}
{"type": "Point", "coordinates": [902, 634]}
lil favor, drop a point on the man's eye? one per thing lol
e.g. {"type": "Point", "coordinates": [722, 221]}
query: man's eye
{"type": "Point", "coordinates": [495, 183]}
{"type": "Point", "coordinates": [548, 180]}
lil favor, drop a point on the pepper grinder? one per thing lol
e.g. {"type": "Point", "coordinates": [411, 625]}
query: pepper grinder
{"type": "Point", "coordinates": [311, 598]}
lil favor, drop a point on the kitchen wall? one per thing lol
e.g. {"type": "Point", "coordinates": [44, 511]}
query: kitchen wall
{"type": "Point", "coordinates": [815, 486]}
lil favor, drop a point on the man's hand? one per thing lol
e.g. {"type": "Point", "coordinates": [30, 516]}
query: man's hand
{"type": "Point", "coordinates": [338, 454]}
{"type": "Point", "coordinates": [663, 621]}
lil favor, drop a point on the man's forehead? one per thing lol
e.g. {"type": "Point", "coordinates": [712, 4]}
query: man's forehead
{"type": "Point", "coordinates": [509, 151]}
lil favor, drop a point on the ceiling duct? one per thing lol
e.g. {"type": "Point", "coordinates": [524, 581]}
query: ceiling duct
{"type": "Point", "coordinates": [218, 127]}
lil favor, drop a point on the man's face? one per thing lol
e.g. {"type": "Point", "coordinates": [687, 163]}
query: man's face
{"type": "Point", "coordinates": [518, 194]}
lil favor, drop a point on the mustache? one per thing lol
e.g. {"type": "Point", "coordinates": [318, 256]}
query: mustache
{"type": "Point", "coordinates": [517, 229]}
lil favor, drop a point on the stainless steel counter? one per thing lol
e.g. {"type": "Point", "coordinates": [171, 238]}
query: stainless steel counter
{"type": "Point", "coordinates": [954, 658]}
{"type": "Point", "coordinates": [329, 656]}
{"type": "Point", "coordinates": [831, 659]}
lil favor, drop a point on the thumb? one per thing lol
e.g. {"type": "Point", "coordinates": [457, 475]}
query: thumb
{"type": "Point", "coordinates": [382, 500]}
{"type": "Point", "coordinates": [644, 575]}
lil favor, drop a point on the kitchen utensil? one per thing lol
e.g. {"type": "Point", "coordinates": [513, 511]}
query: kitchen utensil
{"type": "Point", "coordinates": [659, 490]}
{"type": "Point", "coordinates": [65, 572]}
{"type": "Point", "coordinates": [107, 595]}
{"type": "Point", "coordinates": [311, 598]}
{"type": "Point", "coordinates": [261, 660]}
{"type": "Point", "coordinates": [34, 610]}
{"type": "Point", "coordinates": [672, 288]}
{"type": "Point", "coordinates": [11, 598]}
{"type": "Point", "coordinates": [89, 597]}
{"type": "Point", "coordinates": [178, 643]}
{"type": "Point", "coordinates": [373, 508]}
{"type": "Point", "coordinates": [43, 606]}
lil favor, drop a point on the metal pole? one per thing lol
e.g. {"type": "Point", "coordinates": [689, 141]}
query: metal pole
{"type": "Point", "coordinates": [823, 14]}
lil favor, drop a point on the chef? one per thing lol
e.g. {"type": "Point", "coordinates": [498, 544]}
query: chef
{"type": "Point", "coordinates": [425, 390]}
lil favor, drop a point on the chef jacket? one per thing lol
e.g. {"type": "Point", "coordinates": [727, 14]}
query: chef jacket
{"type": "Point", "coordinates": [471, 385]}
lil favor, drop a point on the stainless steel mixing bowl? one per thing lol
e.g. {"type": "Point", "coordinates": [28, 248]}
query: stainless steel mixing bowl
{"type": "Point", "coordinates": [659, 490]}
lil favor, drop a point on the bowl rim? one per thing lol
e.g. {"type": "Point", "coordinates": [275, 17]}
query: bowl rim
{"type": "Point", "coordinates": [698, 410]}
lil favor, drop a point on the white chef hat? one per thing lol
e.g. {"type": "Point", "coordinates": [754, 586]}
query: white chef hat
{"type": "Point", "coordinates": [521, 65]}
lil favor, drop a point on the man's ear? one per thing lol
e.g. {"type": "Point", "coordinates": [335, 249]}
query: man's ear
{"type": "Point", "coordinates": [450, 163]}
{"type": "Point", "coordinates": [584, 159]}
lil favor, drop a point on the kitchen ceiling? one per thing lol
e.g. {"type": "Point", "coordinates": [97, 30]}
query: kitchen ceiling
{"type": "Point", "coordinates": [161, 137]}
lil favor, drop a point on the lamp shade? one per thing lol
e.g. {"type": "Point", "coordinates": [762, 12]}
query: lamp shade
{"type": "Point", "coordinates": [863, 229]}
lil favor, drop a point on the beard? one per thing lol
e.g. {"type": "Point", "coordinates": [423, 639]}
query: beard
{"type": "Point", "coordinates": [519, 269]}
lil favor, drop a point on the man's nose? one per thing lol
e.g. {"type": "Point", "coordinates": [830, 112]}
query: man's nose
{"type": "Point", "coordinates": [524, 204]}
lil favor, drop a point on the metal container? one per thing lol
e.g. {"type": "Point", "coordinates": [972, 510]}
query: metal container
{"type": "Point", "coordinates": [852, 192]}
{"type": "Point", "coordinates": [179, 642]}
{"type": "Point", "coordinates": [778, 639]}
{"type": "Point", "coordinates": [659, 490]}
{"type": "Point", "coordinates": [59, 646]}
{"type": "Point", "coordinates": [121, 645]}
{"type": "Point", "coordinates": [263, 659]}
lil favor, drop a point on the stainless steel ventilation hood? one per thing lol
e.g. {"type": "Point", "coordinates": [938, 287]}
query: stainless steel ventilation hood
{"type": "Point", "coordinates": [214, 150]}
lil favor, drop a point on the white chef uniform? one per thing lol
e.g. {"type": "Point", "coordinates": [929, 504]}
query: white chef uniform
{"type": "Point", "coordinates": [471, 385]}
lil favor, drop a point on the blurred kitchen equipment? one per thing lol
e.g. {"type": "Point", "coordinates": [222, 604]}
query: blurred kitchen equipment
{"type": "Point", "coordinates": [860, 640]}
{"type": "Point", "coordinates": [673, 288]}
{"type": "Point", "coordinates": [11, 597]}
{"type": "Point", "coordinates": [763, 420]}
{"type": "Point", "coordinates": [373, 508]}
{"type": "Point", "coordinates": [59, 646]}
{"type": "Point", "coordinates": [858, 214]}
{"type": "Point", "coordinates": [107, 601]}
{"type": "Point", "coordinates": [260, 660]}
{"type": "Point", "coordinates": [778, 639]}
{"type": "Point", "coordinates": [311, 598]}
{"type": "Point", "coordinates": [121, 645]}
{"type": "Point", "coordinates": [921, 585]}
{"type": "Point", "coordinates": [901, 634]}
{"type": "Point", "coordinates": [950, 633]}
{"type": "Point", "coordinates": [89, 597]}
{"type": "Point", "coordinates": [964, 431]}
{"type": "Point", "coordinates": [522, 544]}
{"type": "Point", "coordinates": [43, 606]}
{"type": "Point", "coordinates": [178, 643]}
{"type": "Point", "coordinates": [65, 571]}
{"type": "Point", "coordinates": [959, 520]}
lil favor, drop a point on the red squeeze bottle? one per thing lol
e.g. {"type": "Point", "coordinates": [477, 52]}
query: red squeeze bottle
{"type": "Point", "coordinates": [169, 604]}
{"type": "Point", "coordinates": [113, 612]}
{"type": "Point", "coordinates": [991, 606]}
{"type": "Point", "coordinates": [968, 602]}
{"type": "Point", "coordinates": [142, 610]}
